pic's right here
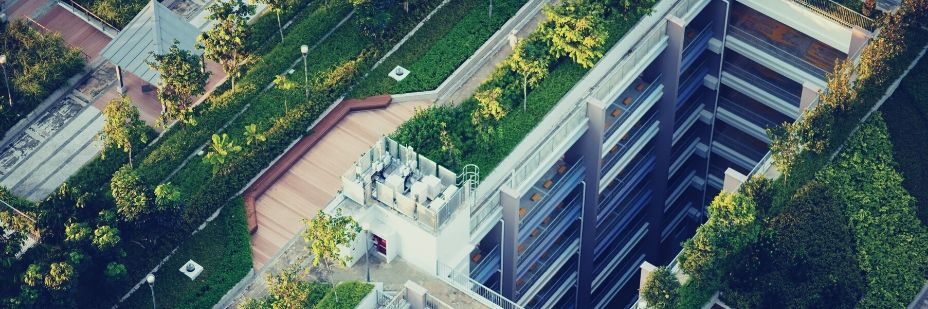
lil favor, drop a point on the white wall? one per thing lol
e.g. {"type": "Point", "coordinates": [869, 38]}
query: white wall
{"type": "Point", "coordinates": [801, 18]}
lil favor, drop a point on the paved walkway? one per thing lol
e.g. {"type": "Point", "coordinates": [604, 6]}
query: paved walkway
{"type": "Point", "coordinates": [314, 181]}
{"type": "Point", "coordinates": [467, 90]}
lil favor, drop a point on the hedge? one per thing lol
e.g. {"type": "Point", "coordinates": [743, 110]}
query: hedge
{"type": "Point", "coordinates": [349, 296]}
{"type": "Point", "coordinates": [906, 114]}
{"type": "Point", "coordinates": [443, 43]}
{"type": "Point", "coordinates": [224, 251]}
{"type": "Point", "coordinates": [117, 13]}
{"type": "Point", "coordinates": [38, 65]}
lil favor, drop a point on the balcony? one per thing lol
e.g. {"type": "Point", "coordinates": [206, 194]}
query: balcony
{"type": "Point", "coordinates": [608, 230]}
{"type": "Point", "coordinates": [819, 71]}
{"type": "Point", "coordinates": [639, 134]}
{"type": "Point", "coordinates": [695, 42]}
{"type": "Point", "coordinates": [783, 42]}
{"type": "Point", "coordinates": [557, 287]}
{"type": "Point", "coordinates": [541, 199]}
{"type": "Point", "coordinates": [839, 13]}
{"type": "Point", "coordinates": [612, 264]}
{"type": "Point", "coordinates": [484, 263]}
{"type": "Point", "coordinates": [763, 83]}
{"type": "Point", "coordinates": [746, 119]}
{"type": "Point", "coordinates": [634, 97]}
{"type": "Point", "coordinates": [548, 264]}
{"type": "Point", "coordinates": [742, 145]}
{"type": "Point", "coordinates": [541, 240]}
{"type": "Point", "coordinates": [626, 182]}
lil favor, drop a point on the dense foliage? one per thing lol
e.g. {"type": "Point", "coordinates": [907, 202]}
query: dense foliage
{"type": "Point", "coordinates": [521, 114]}
{"type": "Point", "coordinates": [906, 114]}
{"type": "Point", "coordinates": [347, 295]}
{"type": "Point", "coordinates": [37, 65]}
{"type": "Point", "coordinates": [660, 289]}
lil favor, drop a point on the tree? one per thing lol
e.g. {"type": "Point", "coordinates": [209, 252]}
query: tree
{"type": "Point", "coordinates": [252, 135]}
{"type": "Point", "coordinates": [106, 237]}
{"type": "Point", "coordinates": [182, 80]}
{"type": "Point", "coordinates": [373, 16]}
{"type": "Point", "coordinates": [115, 271]}
{"type": "Point", "coordinates": [59, 276]}
{"type": "Point", "coordinates": [449, 145]}
{"type": "Point", "coordinates": [488, 113]}
{"type": "Point", "coordinates": [76, 232]}
{"type": "Point", "coordinates": [575, 29]}
{"type": "Point", "coordinates": [129, 194]}
{"type": "Point", "coordinates": [222, 147]}
{"type": "Point", "coordinates": [660, 289]}
{"type": "Point", "coordinates": [166, 195]}
{"type": "Point", "coordinates": [530, 60]}
{"type": "Point", "coordinates": [225, 42]}
{"type": "Point", "coordinates": [282, 83]}
{"type": "Point", "coordinates": [841, 93]}
{"type": "Point", "coordinates": [11, 242]}
{"type": "Point", "coordinates": [732, 225]}
{"type": "Point", "coordinates": [122, 126]}
{"type": "Point", "coordinates": [278, 6]}
{"type": "Point", "coordinates": [325, 235]}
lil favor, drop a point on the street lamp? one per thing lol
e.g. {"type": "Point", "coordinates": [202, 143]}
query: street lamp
{"type": "Point", "coordinates": [305, 51]}
{"type": "Point", "coordinates": [151, 284]}
{"type": "Point", "coordinates": [6, 81]}
{"type": "Point", "coordinates": [367, 250]}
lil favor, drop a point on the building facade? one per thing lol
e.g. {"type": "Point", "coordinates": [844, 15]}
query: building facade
{"type": "Point", "coordinates": [620, 170]}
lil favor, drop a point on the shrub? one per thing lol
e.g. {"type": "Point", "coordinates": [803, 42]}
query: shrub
{"type": "Point", "coordinates": [661, 289]}
{"type": "Point", "coordinates": [349, 295]}
{"type": "Point", "coordinates": [732, 225]}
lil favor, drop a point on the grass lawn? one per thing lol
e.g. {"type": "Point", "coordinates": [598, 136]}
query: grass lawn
{"type": "Point", "coordinates": [443, 43]}
{"type": "Point", "coordinates": [222, 248]}
{"type": "Point", "coordinates": [906, 114]}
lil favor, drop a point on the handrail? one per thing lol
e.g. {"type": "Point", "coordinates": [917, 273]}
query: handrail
{"type": "Point", "coordinates": [804, 65]}
{"type": "Point", "coordinates": [838, 13]}
{"type": "Point", "coordinates": [473, 288]}
{"type": "Point", "coordinates": [91, 14]}
{"type": "Point", "coordinates": [397, 302]}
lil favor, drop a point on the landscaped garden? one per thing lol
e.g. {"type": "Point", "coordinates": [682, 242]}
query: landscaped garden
{"type": "Point", "coordinates": [37, 64]}
{"type": "Point", "coordinates": [129, 217]}
{"type": "Point", "coordinates": [117, 13]}
{"type": "Point", "coordinates": [837, 228]}
{"type": "Point", "coordinates": [498, 119]}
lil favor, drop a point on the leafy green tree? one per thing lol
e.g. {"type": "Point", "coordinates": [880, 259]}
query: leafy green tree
{"type": "Point", "coordinates": [167, 195]}
{"type": "Point", "coordinates": [225, 42]}
{"type": "Point", "coordinates": [182, 80]}
{"type": "Point", "coordinates": [732, 225]}
{"type": "Point", "coordinates": [76, 232]}
{"type": "Point", "coordinates": [106, 237]}
{"type": "Point", "coordinates": [575, 29]}
{"type": "Point", "coordinates": [60, 275]}
{"type": "Point", "coordinates": [122, 126]}
{"type": "Point", "coordinates": [11, 242]}
{"type": "Point", "coordinates": [325, 235]}
{"type": "Point", "coordinates": [660, 289]}
{"type": "Point", "coordinates": [115, 271]}
{"type": "Point", "coordinates": [488, 113]}
{"type": "Point", "coordinates": [373, 16]}
{"type": "Point", "coordinates": [530, 60]}
{"type": "Point", "coordinates": [449, 145]}
{"type": "Point", "coordinates": [282, 83]}
{"type": "Point", "coordinates": [841, 93]}
{"type": "Point", "coordinates": [129, 193]}
{"type": "Point", "coordinates": [252, 135]}
{"type": "Point", "coordinates": [278, 6]}
{"type": "Point", "coordinates": [221, 148]}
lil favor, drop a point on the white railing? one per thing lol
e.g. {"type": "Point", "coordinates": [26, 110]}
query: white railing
{"type": "Point", "coordinates": [473, 288]}
{"type": "Point", "coordinates": [431, 302]}
{"type": "Point", "coordinates": [538, 160]}
{"type": "Point", "coordinates": [622, 75]}
{"type": "Point", "coordinates": [397, 302]}
{"type": "Point", "coordinates": [685, 7]}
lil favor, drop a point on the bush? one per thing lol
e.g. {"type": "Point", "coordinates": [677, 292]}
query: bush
{"type": "Point", "coordinates": [349, 296]}
{"type": "Point", "coordinates": [224, 251]}
{"type": "Point", "coordinates": [38, 65]}
{"type": "Point", "coordinates": [661, 289]}
{"type": "Point", "coordinates": [732, 226]}
{"type": "Point", "coordinates": [117, 13]}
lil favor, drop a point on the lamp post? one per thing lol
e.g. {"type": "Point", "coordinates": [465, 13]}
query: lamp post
{"type": "Point", "coordinates": [305, 51]}
{"type": "Point", "coordinates": [151, 284]}
{"type": "Point", "coordinates": [6, 81]}
{"type": "Point", "coordinates": [367, 249]}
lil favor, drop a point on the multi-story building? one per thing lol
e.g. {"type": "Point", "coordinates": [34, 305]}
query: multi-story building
{"type": "Point", "coordinates": [619, 171]}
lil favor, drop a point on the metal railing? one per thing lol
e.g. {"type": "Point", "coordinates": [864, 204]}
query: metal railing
{"type": "Point", "coordinates": [473, 288]}
{"type": "Point", "coordinates": [627, 111]}
{"type": "Point", "coordinates": [684, 7]}
{"type": "Point", "coordinates": [619, 77]}
{"type": "Point", "coordinates": [431, 302]}
{"type": "Point", "coordinates": [398, 301]}
{"type": "Point", "coordinates": [762, 83]}
{"type": "Point", "coordinates": [692, 42]}
{"type": "Point", "coordinates": [522, 175]}
{"type": "Point", "coordinates": [791, 58]}
{"type": "Point", "coordinates": [839, 13]}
